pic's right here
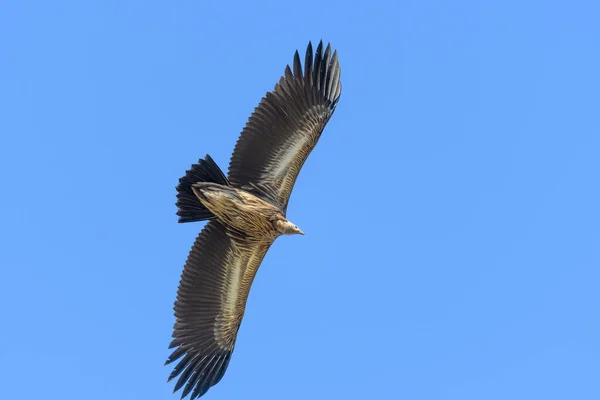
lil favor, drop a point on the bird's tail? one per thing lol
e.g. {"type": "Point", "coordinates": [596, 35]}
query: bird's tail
{"type": "Point", "coordinates": [189, 208]}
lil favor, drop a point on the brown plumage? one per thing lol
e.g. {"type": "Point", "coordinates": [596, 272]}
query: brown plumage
{"type": "Point", "coordinates": [246, 213]}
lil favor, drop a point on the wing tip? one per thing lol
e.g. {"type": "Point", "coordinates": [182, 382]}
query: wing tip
{"type": "Point", "coordinates": [321, 69]}
{"type": "Point", "coordinates": [198, 375]}
{"type": "Point", "coordinates": [325, 70]}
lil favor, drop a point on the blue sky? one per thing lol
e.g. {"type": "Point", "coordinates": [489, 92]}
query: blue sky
{"type": "Point", "coordinates": [451, 206]}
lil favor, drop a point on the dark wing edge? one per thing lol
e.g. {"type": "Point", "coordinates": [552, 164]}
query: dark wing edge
{"type": "Point", "coordinates": [287, 124]}
{"type": "Point", "coordinates": [206, 326]}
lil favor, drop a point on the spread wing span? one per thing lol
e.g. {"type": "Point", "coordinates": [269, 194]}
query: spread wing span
{"type": "Point", "coordinates": [285, 127]}
{"type": "Point", "coordinates": [210, 305]}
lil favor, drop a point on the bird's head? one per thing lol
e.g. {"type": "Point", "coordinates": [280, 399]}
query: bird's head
{"type": "Point", "coordinates": [285, 227]}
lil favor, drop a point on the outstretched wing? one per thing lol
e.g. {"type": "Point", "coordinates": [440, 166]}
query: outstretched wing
{"type": "Point", "coordinates": [210, 304]}
{"type": "Point", "coordinates": [286, 126]}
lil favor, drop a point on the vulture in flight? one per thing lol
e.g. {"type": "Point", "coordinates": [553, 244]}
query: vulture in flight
{"type": "Point", "coordinates": [246, 212]}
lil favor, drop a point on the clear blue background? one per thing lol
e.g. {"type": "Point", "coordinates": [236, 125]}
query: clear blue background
{"type": "Point", "coordinates": [451, 206]}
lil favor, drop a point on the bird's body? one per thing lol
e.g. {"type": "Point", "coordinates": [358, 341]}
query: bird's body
{"type": "Point", "coordinates": [242, 212]}
{"type": "Point", "coordinates": [246, 212]}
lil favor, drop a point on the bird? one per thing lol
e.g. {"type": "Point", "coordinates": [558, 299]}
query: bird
{"type": "Point", "coordinates": [246, 212]}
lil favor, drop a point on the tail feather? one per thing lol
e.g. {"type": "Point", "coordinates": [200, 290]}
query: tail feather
{"type": "Point", "coordinates": [189, 208]}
